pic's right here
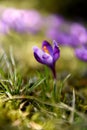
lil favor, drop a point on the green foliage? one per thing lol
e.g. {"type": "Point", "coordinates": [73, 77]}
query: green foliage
{"type": "Point", "coordinates": [37, 102]}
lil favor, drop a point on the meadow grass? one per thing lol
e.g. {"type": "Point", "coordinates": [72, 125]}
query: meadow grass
{"type": "Point", "coordinates": [29, 99]}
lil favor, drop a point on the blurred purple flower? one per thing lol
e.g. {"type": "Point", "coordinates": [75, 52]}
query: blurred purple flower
{"type": "Point", "coordinates": [47, 55]}
{"type": "Point", "coordinates": [63, 38]}
{"type": "Point", "coordinates": [79, 31]}
{"type": "Point", "coordinates": [10, 15]}
{"type": "Point", "coordinates": [53, 21]}
{"type": "Point", "coordinates": [22, 20]}
{"type": "Point", "coordinates": [4, 29]}
{"type": "Point", "coordinates": [67, 33]}
{"type": "Point", "coordinates": [81, 53]}
{"type": "Point", "coordinates": [32, 20]}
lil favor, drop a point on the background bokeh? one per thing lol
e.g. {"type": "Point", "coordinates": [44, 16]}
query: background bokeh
{"type": "Point", "coordinates": [68, 8]}
{"type": "Point", "coordinates": [22, 43]}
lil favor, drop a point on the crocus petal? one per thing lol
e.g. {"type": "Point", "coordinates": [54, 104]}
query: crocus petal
{"type": "Point", "coordinates": [48, 47]}
{"type": "Point", "coordinates": [37, 58]}
{"type": "Point", "coordinates": [42, 57]}
{"type": "Point", "coordinates": [47, 59]}
{"type": "Point", "coordinates": [38, 54]}
{"type": "Point", "coordinates": [56, 51]}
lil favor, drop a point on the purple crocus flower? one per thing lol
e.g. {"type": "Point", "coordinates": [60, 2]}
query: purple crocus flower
{"type": "Point", "coordinates": [47, 55]}
{"type": "Point", "coordinates": [81, 53]}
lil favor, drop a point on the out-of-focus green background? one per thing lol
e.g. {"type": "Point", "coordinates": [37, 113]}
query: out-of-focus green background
{"type": "Point", "coordinates": [68, 8]}
{"type": "Point", "coordinates": [22, 43]}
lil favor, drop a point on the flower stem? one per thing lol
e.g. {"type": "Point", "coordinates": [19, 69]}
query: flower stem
{"type": "Point", "coordinates": [55, 91]}
{"type": "Point", "coordinates": [54, 72]}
